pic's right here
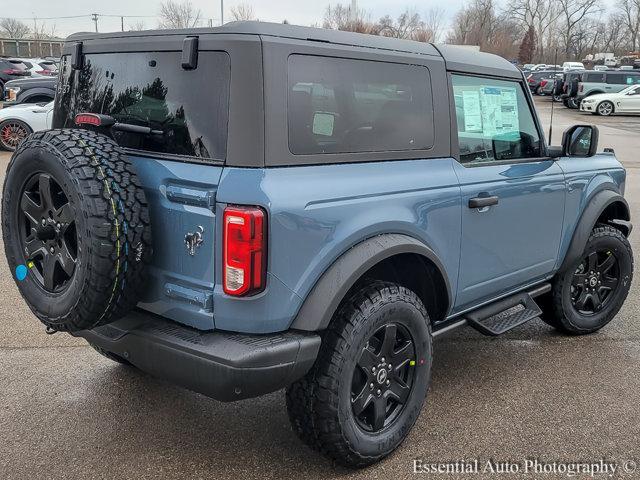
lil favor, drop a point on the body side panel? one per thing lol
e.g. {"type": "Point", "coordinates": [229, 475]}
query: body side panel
{"type": "Point", "coordinates": [316, 213]}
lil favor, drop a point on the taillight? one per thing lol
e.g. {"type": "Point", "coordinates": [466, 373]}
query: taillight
{"type": "Point", "coordinates": [543, 83]}
{"type": "Point", "coordinates": [244, 248]}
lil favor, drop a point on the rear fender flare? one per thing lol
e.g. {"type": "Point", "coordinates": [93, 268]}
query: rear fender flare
{"type": "Point", "coordinates": [324, 298]}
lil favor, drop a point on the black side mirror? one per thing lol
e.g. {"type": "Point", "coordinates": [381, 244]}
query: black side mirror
{"type": "Point", "coordinates": [580, 141]}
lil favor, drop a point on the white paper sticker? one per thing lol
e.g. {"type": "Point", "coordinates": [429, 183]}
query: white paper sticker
{"type": "Point", "coordinates": [471, 108]}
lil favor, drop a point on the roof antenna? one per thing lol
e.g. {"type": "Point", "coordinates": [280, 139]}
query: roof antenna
{"type": "Point", "coordinates": [553, 102]}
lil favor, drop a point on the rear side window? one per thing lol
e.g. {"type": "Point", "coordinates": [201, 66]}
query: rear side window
{"type": "Point", "coordinates": [593, 77]}
{"type": "Point", "coordinates": [189, 107]}
{"type": "Point", "coordinates": [495, 122]}
{"type": "Point", "coordinates": [339, 105]}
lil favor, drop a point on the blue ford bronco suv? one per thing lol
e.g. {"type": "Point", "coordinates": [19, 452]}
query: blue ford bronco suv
{"type": "Point", "coordinates": [257, 206]}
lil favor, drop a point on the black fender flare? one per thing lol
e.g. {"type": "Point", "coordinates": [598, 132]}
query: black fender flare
{"type": "Point", "coordinates": [599, 202]}
{"type": "Point", "coordinates": [35, 92]}
{"type": "Point", "coordinates": [325, 296]}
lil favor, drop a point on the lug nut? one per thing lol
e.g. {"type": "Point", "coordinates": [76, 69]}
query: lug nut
{"type": "Point", "coordinates": [378, 392]}
{"type": "Point", "coordinates": [51, 250]}
{"type": "Point", "coordinates": [373, 369]}
{"type": "Point", "coordinates": [390, 367]}
{"type": "Point", "coordinates": [58, 225]}
{"type": "Point", "coordinates": [388, 383]}
{"type": "Point", "coordinates": [382, 359]}
{"type": "Point", "coordinates": [44, 222]}
{"type": "Point", "coordinates": [371, 386]}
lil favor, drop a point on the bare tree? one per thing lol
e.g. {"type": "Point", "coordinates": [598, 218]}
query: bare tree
{"type": "Point", "coordinates": [540, 15]}
{"type": "Point", "coordinates": [178, 15]}
{"type": "Point", "coordinates": [405, 26]}
{"type": "Point", "coordinates": [631, 17]}
{"type": "Point", "coordinates": [572, 14]}
{"type": "Point", "coordinates": [243, 11]}
{"type": "Point", "coordinates": [434, 23]}
{"type": "Point", "coordinates": [343, 18]}
{"type": "Point", "coordinates": [138, 26]}
{"type": "Point", "coordinates": [12, 28]}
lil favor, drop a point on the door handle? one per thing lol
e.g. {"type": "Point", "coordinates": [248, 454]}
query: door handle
{"type": "Point", "coordinates": [482, 202]}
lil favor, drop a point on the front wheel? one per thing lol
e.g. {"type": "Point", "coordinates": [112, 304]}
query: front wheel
{"type": "Point", "coordinates": [605, 108]}
{"type": "Point", "coordinates": [366, 390]}
{"type": "Point", "coordinates": [587, 295]}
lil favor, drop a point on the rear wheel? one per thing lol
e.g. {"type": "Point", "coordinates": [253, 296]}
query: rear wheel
{"type": "Point", "coordinates": [588, 294]}
{"type": "Point", "coordinates": [366, 390]}
{"type": "Point", "coordinates": [605, 108]}
{"type": "Point", "coordinates": [573, 103]}
{"type": "Point", "coordinates": [12, 132]}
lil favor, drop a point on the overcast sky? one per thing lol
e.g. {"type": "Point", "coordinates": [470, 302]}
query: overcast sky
{"type": "Point", "coordinates": [300, 12]}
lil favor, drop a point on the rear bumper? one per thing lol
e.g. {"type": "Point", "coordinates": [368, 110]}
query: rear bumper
{"type": "Point", "coordinates": [222, 365]}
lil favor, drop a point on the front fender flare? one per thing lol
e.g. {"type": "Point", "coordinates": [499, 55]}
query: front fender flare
{"type": "Point", "coordinates": [323, 300]}
{"type": "Point", "coordinates": [587, 222]}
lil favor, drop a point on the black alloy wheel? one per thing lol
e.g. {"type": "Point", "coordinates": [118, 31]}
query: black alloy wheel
{"type": "Point", "coordinates": [594, 282]}
{"type": "Point", "coordinates": [383, 378]}
{"type": "Point", "coordinates": [48, 237]}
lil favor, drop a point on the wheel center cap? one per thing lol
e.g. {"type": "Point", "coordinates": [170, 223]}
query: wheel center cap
{"type": "Point", "coordinates": [593, 281]}
{"type": "Point", "coordinates": [381, 376]}
{"type": "Point", "coordinates": [46, 233]}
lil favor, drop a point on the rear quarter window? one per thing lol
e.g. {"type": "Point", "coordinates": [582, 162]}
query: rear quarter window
{"type": "Point", "coordinates": [189, 107]}
{"type": "Point", "coordinates": [593, 77]}
{"type": "Point", "coordinates": [338, 105]}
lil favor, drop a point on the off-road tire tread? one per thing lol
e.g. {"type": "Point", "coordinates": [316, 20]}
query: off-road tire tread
{"type": "Point", "coordinates": [105, 180]}
{"type": "Point", "coordinates": [559, 320]}
{"type": "Point", "coordinates": [312, 402]}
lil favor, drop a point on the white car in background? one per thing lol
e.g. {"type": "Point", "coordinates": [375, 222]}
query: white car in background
{"type": "Point", "coordinates": [17, 122]}
{"type": "Point", "coordinates": [625, 101]}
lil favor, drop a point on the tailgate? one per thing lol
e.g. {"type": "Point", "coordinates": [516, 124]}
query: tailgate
{"type": "Point", "coordinates": [181, 198]}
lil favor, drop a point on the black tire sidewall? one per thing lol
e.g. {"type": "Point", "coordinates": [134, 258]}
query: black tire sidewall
{"type": "Point", "coordinates": [383, 442]}
{"type": "Point", "coordinates": [590, 323]}
{"type": "Point", "coordinates": [25, 165]}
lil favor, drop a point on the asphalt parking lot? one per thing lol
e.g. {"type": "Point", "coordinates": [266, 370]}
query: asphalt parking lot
{"type": "Point", "coordinates": [66, 412]}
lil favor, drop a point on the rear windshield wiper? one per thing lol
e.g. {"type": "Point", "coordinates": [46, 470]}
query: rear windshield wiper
{"type": "Point", "coordinates": [100, 120]}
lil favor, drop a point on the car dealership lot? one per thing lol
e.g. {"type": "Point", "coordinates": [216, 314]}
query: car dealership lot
{"type": "Point", "coordinates": [66, 412]}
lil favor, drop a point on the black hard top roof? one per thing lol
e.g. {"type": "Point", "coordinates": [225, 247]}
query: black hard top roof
{"type": "Point", "coordinates": [457, 58]}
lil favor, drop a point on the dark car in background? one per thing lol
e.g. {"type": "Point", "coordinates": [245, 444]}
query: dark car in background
{"type": "Point", "coordinates": [30, 90]}
{"type": "Point", "coordinates": [535, 78]}
{"type": "Point", "coordinates": [11, 69]}
{"type": "Point", "coordinates": [567, 89]}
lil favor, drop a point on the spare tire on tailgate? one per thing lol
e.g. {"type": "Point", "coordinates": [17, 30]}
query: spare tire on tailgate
{"type": "Point", "coordinates": [75, 227]}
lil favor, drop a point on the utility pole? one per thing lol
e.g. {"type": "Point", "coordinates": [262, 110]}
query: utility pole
{"type": "Point", "coordinates": [122, 24]}
{"type": "Point", "coordinates": [221, 12]}
{"type": "Point", "coordinates": [94, 17]}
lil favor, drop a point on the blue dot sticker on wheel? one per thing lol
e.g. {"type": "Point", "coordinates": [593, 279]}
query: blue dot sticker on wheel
{"type": "Point", "coordinates": [21, 272]}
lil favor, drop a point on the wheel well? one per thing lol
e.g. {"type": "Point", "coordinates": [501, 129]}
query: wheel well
{"type": "Point", "coordinates": [615, 211]}
{"type": "Point", "coordinates": [418, 274]}
{"type": "Point", "coordinates": [38, 99]}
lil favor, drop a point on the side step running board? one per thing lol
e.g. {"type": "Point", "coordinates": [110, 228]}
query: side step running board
{"type": "Point", "coordinates": [504, 315]}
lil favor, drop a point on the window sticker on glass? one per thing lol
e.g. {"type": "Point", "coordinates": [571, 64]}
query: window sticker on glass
{"type": "Point", "coordinates": [499, 110]}
{"type": "Point", "coordinates": [471, 108]}
{"type": "Point", "coordinates": [323, 124]}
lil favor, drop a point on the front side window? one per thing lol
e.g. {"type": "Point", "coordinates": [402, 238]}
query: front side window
{"type": "Point", "coordinates": [494, 121]}
{"type": "Point", "coordinates": [623, 79]}
{"type": "Point", "coordinates": [338, 105]}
